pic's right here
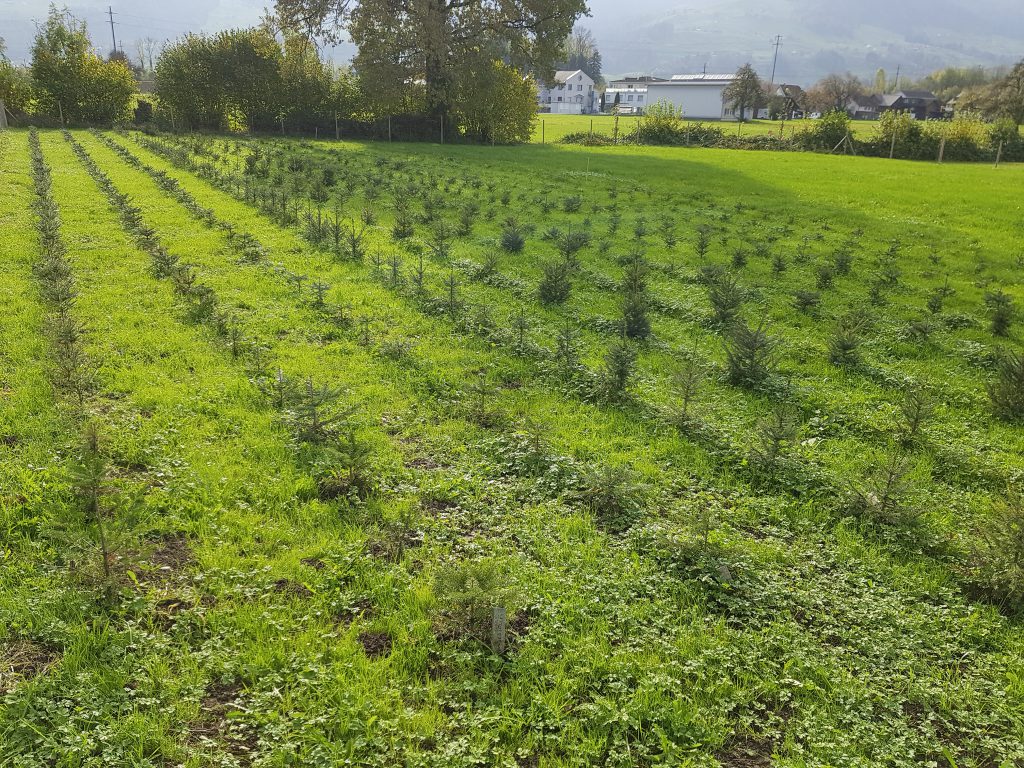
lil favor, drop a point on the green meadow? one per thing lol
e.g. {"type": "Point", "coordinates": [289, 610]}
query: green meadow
{"type": "Point", "coordinates": [333, 453]}
{"type": "Point", "coordinates": [552, 128]}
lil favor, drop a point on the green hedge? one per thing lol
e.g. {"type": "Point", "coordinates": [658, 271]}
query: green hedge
{"type": "Point", "coordinates": [967, 137]}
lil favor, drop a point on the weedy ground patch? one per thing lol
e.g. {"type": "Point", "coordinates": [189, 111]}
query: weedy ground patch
{"type": "Point", "coordinates": [405, 454]}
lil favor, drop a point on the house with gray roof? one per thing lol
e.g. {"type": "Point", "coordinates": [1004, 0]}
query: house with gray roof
{"type": "Point", "coordinates": [923, 105]}
{"type": "Point", "coordinates": [571, 92]}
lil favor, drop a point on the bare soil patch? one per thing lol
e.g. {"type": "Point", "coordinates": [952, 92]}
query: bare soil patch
{"type": "Point", "coordinates": [23, 659]}
{"type": "Point", "coordinates": [745, 752]}
{"type": "Point", "coordinates": [375, 644]}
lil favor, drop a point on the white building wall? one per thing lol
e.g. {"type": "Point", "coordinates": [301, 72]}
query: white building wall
{"type": "Point", "coordinates": [573, 97]}
{"type": "Point", "coordinates": [628, 97]}
{"type": "Point", "coordinates": [698, 102]}
{"type": "Point", "coordinates": [564, 108]}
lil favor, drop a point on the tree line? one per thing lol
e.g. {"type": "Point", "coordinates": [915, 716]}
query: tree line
{"type": "Point", "coordinates": [466, 66]}
{"type": "Point", "coordinates": [994, 94]}
{"type": "Point", "coordinates": [67, 80]}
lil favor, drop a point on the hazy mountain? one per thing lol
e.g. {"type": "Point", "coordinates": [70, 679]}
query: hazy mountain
{"type": "Point", "coordinates": [656, 36]}
{"type": "Point", "coordinates": [659, 37]}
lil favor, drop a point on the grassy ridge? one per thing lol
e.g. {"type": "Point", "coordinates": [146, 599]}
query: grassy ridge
{"type": "Point", "coordinates": [296, 628]}
{"type": "Point", "coordinates": [29, 421]}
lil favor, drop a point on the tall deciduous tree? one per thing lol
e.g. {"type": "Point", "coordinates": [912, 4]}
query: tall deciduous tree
{"type": "Point", "coordinates": [206, 81]}
{"type": "Point", "coordinates": [1009, 94]}
{"type": "Point", "coordinates": [439, 44]}
{"type": "Point", "coordinates": [950, 82]}
{"type": "Point", "coordinates": [306, 82]}
{"type": "Point", "coordinates": [70, 79]}
{"type": "Point", "coordinates": [994, 101]}
{"type": "Point", "coordinates": [347, 97]}
{"type": "Point", "coordinates": [500, 105]}
{"type": "Point", "coordinates": [186, 82]}
{"type": "Point", "coordinates": [315, 19]}
{"type": "Point", "coordinates": [250, 68]}
{"type": "Point", "coordinates": [834, 92]}
{"type": "Point", "coordinates": [881, 81]}
{"type": "Point", "coordinates": [15, 84]}
{"type": "Point", "coordinates": [581, 53]}
{"type": "Point", "coordinates": [145, 52]}
{"type": "Point", "coordinates": [745, 92]}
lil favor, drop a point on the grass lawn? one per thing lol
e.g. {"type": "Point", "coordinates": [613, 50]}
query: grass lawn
{"type": "Point", "coordinates": [352, 398]}
{"type": "Point", "coordinates": [553, 127]}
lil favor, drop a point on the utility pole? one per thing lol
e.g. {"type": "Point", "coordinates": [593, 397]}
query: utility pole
{"type": "Point", "coordinates": [896, 83]}
{"type": "Point", "coordinates": [110, 13]}
{"type": "Point", "coordinates": [775, 60]}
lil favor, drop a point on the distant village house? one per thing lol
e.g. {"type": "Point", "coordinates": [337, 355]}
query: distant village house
{"type": "Point", "coordinates": [923, 105]}
{"type": "Point", "coordinates": [570, 93]}
{"type": "Point", "coordinates": [628, 95]}
{"type": "Point", "coordinates": [783, 102]}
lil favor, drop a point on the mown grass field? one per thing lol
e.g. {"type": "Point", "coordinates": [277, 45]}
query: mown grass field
{"type": "Point", "coordinates": [337, 427]}
{"type": "Point", "coordinates": [552, 128]}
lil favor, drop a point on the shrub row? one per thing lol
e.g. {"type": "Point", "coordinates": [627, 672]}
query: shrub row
{"type": "Point", "coordinates": [967, 138]}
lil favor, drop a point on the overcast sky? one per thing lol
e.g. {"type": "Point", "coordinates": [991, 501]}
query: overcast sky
{"type": "Point", "coordinates": [133, 19]}
{"type": "Point", "coordinates": [653, 36]}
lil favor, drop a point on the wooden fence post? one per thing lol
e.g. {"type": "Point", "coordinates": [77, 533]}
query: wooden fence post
{"type": "Point", "coordinates": [337, 133]}
{"type": "Point", "coordinates": [389, 129]}
{"type": "Point", "coordinates": [3, 115]}
{"type": "Point", "coordinates": [499, 619]}
{"type": "Point", "coordinates": [442, 129]}
{"type": "Point", "coordinates": [999, 154]}
{"type": "Point", "coordinates": [942, 148]}
{"type": "Point", "coordinates": [541, 131]}
{"type": "Point", "coordinates": [892, 144]}
{"type": "Point", "coordinates": [60, 107]}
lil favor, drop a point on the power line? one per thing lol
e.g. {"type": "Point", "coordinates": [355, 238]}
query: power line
{"type": "Point", "coordinates": [179, 27]}
{"type": "Point", "coordinates": [148, 18]}
{"type": "Point", "coordinates": [775, 59]}
{"type": "Point", "coordinates": [110, 12]}
{"type": "Point", "coordinates": [178, 31]}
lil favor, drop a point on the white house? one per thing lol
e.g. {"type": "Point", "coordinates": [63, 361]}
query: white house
{"type": "Point", "coordinates": [700, 96]}
{"type": "Point", "coordinates": [629, 94]}
{"type": "Point", "coordinates": [571, 93]}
